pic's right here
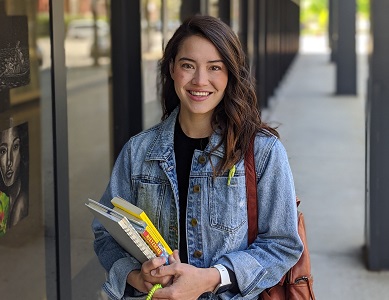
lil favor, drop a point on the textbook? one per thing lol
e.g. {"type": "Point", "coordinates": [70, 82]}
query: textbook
{"type": "Point", "coordinates": [124, 207]}
{"type": "Point", "coordinates": [145, 231]}
{"type": "Point", "coordinates": [122, 230]}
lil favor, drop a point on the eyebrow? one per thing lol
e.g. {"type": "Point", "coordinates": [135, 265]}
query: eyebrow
{"type": "Point", "coordinates": [210, 61]}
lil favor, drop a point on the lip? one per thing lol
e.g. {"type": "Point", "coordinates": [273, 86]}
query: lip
{"type": "Point", "coordinates": [199, 97]}
{"type": "Point", "coordinates": [9, 174]}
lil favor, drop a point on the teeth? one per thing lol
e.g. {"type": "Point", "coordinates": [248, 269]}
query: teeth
{"type": "Point", "coordinates": [201, 94]}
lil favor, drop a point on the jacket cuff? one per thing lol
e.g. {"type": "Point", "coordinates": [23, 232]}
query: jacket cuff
{"type": "Point", "coordinates": [116, 283]}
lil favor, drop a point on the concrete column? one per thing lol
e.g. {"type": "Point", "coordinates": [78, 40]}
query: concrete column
{"type": "Point", "coordinates": [346, 68]}
{"type": "Point", "coordinates": [126, 63]}
{"type": "Point", "coordinates": [377, 141]}
{"type": "Point", "coordinates": [225, 11]}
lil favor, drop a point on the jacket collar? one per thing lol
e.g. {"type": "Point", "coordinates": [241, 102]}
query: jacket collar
{"type": "Point", "coordinates": [162, 147]}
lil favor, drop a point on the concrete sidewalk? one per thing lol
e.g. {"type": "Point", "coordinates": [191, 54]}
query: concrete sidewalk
{"type": "Point", "coordinates": [324, 135]}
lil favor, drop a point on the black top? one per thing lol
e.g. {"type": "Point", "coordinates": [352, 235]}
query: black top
{"type": "Point", "coordinates": [184, 148]}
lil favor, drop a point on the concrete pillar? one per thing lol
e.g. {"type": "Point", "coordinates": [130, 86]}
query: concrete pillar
{"type": "Point", "coordinates": [225, 11]}
{"type": "Point", "coordinates": [377, 141]}
{"type": "Point", "coordinates": [127, 92]}
{"type": "Point", "coordinates": [346, 62]}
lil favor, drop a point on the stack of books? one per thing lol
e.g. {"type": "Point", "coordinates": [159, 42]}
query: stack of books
{"type": "Point", "coordinates": [130, 226]}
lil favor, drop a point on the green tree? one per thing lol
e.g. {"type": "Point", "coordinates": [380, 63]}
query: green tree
{"type": "Point", "coordinates": [314, 16]}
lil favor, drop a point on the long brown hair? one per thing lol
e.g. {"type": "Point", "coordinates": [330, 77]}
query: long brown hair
{"type": "Point", "coordinates": [236, 116]}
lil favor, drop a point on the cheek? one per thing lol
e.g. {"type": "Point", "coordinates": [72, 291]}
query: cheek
{"type": "Point", "coordinates": [183, 76]}
{"type": "Point", "coordinates": [222, 83]}
{"type": "Point", "coordinates": [17, 158]}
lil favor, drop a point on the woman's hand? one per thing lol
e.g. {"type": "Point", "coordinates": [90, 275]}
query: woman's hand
{"type": "Point", "coordinates": [188, 282]}
{"type": "Point", "coordinates": [142, 279]}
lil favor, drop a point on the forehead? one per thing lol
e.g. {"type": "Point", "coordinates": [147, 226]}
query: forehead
{"type": "Point", "coordinates": [9, 135]}
{"type": "Point", "coordinates": [198, 48]}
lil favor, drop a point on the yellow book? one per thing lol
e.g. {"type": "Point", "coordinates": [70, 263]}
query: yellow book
{"type": "Point", "coordinates": [140, 214]}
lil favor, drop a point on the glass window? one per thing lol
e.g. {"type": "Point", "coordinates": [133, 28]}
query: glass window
{"type": "Point", "coordinates": [88, 65]}
{"type": "Point", "coordinates": [159, 21]}
{"type": "Point", "coordinates": [235, 15]}
{"type": "Point", "coordinates": [25, 88]}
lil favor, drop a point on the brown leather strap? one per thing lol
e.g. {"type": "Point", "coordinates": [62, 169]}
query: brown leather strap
{"type": "Point", "coordinates": [251, 190]}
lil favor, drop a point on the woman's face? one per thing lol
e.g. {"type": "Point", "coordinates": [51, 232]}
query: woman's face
{"type": "Point", "coordinates": [9, 156]}
{"type": "Point", "coordinates": [200, 77]}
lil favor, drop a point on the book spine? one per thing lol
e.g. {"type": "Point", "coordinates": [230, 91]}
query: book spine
{"type": "Point", "coordinates": [154, 230]}
{"type": "Point", "coordinates": [123, 205]}
{"type": "Point", "coordinates": [137, 240]}
{"type": "Point", "coordinates": [156, 246]}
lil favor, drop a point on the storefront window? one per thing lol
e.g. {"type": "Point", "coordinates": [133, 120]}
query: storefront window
{"type": "Point", "coordinates": [25, 87]}
{"type": "Point", "coordinates": [235, 15]}
{"type": "Point", "coordinates": [159, 21]}
{"type": "Point", "coordinates": [88, 65]}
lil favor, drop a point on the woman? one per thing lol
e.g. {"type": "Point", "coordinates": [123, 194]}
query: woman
{"type": "Point", "coordinates": [181, 173]}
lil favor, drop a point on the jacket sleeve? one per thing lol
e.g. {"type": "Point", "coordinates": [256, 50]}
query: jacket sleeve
{"type": "Point", "coordinates": [116, 261]}
{"type": "Point", "coordinates": [278, 245]}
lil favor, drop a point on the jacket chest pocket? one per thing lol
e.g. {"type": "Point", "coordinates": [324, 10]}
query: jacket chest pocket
{"type": "Point", "coordinates": [227, 204]}
{"type": "Point", "coordinates": [150, 199]}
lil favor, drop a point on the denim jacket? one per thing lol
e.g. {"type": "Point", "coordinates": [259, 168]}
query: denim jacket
{"type": "Point", "coordinates": [144, 174]}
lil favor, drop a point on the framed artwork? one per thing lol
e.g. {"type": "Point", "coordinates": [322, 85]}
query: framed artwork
{"type": "Point", "coordinates": [14, 181]}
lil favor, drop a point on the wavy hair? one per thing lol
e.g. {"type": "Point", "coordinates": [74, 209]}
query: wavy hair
{"type": "Point", "coordinates": [236, 117]}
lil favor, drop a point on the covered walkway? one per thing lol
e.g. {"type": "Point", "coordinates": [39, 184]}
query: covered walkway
{"type": "Point", "coordinates": [324, 135]}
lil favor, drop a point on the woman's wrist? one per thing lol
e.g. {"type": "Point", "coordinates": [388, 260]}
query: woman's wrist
{"type": "Point", "coordinates": [133, 280]}
{"type": "Point", "coordinates": [131, 277]}
{"type": "Point", "coordinates": [214, 279]}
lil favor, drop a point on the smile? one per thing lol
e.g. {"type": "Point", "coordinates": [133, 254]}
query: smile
{"type": "Point", "coordinates": [200, 94]}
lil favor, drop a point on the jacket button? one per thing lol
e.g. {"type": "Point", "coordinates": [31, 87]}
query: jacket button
{"type": "Point", "coordinates": [202, 159]}
{"type": "Point", "coordinates": [197, 254]}
{"type": "Point", "coordinates": [196, 188]}
{"type": "Point", "coordinates": [193, 222]}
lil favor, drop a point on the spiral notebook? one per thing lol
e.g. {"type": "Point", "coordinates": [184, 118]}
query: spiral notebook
{"type": "Point", "coordinates": [121, 230]}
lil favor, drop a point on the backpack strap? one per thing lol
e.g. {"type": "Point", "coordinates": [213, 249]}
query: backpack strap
{"type": "Point", "coordinates": [251, 191]}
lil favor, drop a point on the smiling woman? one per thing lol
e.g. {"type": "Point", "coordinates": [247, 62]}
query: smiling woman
{"type": "Point", "coordinates": [187, 173]}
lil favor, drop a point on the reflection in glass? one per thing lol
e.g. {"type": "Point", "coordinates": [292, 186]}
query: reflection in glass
{"type": "Point", "coordinates": [26, 86]}
{"type": "Point", "coordinates": [159, 21]}
{"type": "Point", "coordinates": [88, 67]}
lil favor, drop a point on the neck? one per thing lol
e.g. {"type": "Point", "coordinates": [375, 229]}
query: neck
{"type": "Point", "coordinates": [198, 127]}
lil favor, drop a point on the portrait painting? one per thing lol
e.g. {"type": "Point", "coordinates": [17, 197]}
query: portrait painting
{"type": "Point", "coordinates": [14, 167]}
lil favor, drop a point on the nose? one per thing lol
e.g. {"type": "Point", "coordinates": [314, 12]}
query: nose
{"type": "Point", "coordinates": [9, 159]}
{"type": "Point", "coordinates": [200, 77]}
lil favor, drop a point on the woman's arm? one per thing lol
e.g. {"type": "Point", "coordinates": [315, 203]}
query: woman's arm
{"type": "Point", "coordinates": [116, 261]}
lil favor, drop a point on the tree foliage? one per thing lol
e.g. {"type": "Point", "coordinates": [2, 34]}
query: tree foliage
{"type": "Point", "coordinates": [314, 14]}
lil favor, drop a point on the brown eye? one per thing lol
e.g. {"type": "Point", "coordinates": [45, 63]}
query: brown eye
{"type": "Point", "coordinates": [215, 68]}
{"type": "Point", "coordinates": [187, 66]}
